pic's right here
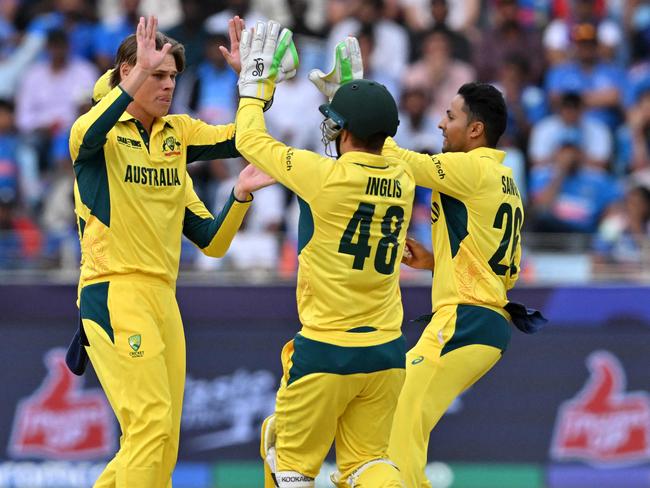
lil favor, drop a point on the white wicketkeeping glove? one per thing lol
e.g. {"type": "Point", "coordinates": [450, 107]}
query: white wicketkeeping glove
{"type": "Point", "coordinates": [348, 66]}
{"type": "Point", "coordinates": [266, 59]}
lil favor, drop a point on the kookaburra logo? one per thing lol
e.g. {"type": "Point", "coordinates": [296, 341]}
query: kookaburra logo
{"type": "Point", "coordinates": [259, 67]}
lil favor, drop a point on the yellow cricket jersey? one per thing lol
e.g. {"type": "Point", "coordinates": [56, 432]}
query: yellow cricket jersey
{"type": "Point", "coordinates": [354, 213]}
{"type": "Point", "coordinates": [476, 219]}
{"type": "Point", "coordinates": [133, 196]}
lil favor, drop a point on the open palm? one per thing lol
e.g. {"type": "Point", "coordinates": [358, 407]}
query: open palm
{"type": "Point", "coordinates": [252, 178]}
{"type": "Point", "coordinates": [148, 57]}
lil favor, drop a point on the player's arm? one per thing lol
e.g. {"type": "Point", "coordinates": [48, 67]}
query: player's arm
{"type": "Point", "coordinates": [454, 174]}
{"type": "Point", "coordinates": [213, 235]}
{"type": "Point", "coordinates": [88, 133]}
{"type": "Point", "coordinates": [299, 170]}
{"type": "Point", "coordinates": [205, 141]}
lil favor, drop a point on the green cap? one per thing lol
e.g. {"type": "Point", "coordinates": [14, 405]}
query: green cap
{"type": "Point", "coordinates": [363, 107]}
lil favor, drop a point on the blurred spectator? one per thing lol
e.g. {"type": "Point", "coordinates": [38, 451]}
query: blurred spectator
{"type": "Point", "coordinates": [17, 53]}
{"type": "Point", "coordinates": [526, 102]}
{"type": "Point", "coordinates": [633, 139]}
{"type": "Point", "coordinates": [46, 103]}
{"type": "Point", "coordinates": [111, 32]}
{"type": "Point", "coordinates": [74, 17]}
{"type": "Point", "coordinates": [308, 17]}
{"type": "Point", "coordinates": [570, 195]}
{"type": "Point", "coordinates": [639, 25]}
{"type": "Point", "coordinates": [20, 238]}
{"type": "Point", "coordinates": [639, 71]}
{"type": "Point", "coordinates": [600, 83]}
{"type": "Point", "coordinates": [209, 91]}
{"type": "Point", "coordinates": [192, 33]}
{"type": "Point", "coordinates": [300, 97]}
{"type": "Point", "coordinates": [367, 45]}
{"type": "Point", "coordinates": [390, 51]}
{"type": "Point", "coordinates": [557, 36]}
{"type": "Point", "coordinates": [623, 235]}
{"type": "Point", "coordinates": [18, 161]}
{"type": "Point", "coordinates": [218, 23]}
{"type": "Point", "coordinates": [461, 16]}
{"type": "Point", "coordinates": [591, 136]}
{"type": "Point", "coordinates": [438, 72]}
{"type": "Point", "coordinates": [504, 38]}
{"type": "Point", "coordinates": [418, 131]}
{"type": "Point", "coordinates": [438, 19]}
{"type": "Point", "coordinates": [58, 220]}
{"type": "Point", "coordinates": [168, 12]}
{"type": "Point", "coordinates": [256, 245]}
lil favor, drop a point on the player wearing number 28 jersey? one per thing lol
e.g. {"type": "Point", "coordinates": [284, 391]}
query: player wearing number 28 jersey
{"type": "Point", "coordinates": [476, 215]}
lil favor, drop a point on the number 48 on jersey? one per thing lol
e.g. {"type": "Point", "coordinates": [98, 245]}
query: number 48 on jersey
{"type": "Point", "coordinates": [387, 246]}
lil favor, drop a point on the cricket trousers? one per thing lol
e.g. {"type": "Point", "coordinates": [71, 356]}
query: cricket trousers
{"type": "Point", "coordinates": [137, 349]}
{"type": "Point", "coordinates": [459, 345]}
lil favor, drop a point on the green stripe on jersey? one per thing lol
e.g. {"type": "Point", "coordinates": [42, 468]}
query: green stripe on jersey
{"type": "Point", "coordinates": [92, 181]}
{"type": "Point", "coordinates": [311, 356]}
{"type": "Point", "coordinates": [220, 150]}
{"type": "Point", "coordinates": [305, 224]}
{"type": "Point", "coordinates": [478, 325]}
{"type": "Point", "coordinates": [93, 305]}
{"type": "Point", "coordinates": [201, 230]}
{"type": "Point", "coordinates": [456, 219]}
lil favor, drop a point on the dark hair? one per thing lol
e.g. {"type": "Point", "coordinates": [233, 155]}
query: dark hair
{"type": "Point", "coordinates": [485, 103]}
{"type": "Point", "coordinates": [373, 143]}
{"type": "Point", "coordinates": [57, 37]}
{"type": "Point", "coordinates": [7, 104]}
{"type": "Point", "coordinates": [571, 100]}
{"type": "Point", "coordinates": [128, 50]}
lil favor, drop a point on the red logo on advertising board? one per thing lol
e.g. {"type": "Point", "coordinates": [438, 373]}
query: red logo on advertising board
{"type": "Point", "coordinates": [62, 421]}
{"type": "Point", "coordinates": [604, 424]}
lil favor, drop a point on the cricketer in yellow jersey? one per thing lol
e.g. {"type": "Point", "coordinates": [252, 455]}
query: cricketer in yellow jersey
{"type": "Point", "coordinates": [345, 366]}
{"type": "Point", "coordinates": [134, 200]}
{"type": "Point", "coordinates": [476, 215]}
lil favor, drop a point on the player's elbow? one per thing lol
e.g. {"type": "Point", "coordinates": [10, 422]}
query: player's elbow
{"type": "Point", "coordinates": [214, 251]}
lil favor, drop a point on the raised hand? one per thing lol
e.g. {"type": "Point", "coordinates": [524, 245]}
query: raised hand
{"type": "Point", "coordinates": [148, 57]}
{"type": "Point", "coordinates": [235, 27]}
{"type": "Point", "coordinates": [267, 56]}
{"type": "Point", "coordinates": [348, 66]}
{"type": "Point", "coordinates": [251, 179]}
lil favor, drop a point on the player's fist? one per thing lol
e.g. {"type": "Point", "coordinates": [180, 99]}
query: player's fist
{"type": "Point", "coordinates": [417, 256]}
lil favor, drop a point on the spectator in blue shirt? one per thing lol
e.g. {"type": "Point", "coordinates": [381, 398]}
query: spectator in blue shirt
{"type": "Point", "coordinates": [209, 90]}
{"type": "Point", "coordinates": [110, 34]}
{"type": "Point", "coordinates": [623, 235]}
{"type": "Point", "coordinates": [633, 139]}
{"type": "Point", "coordinates": [72, 16]}
{"type": "Point", "coordinates": [18, 162]}
{"type": "Point", "coordinates": [570, 195]}
{"type": "Point", "coordinates": [548, 135]}
{"type": "Point", "coordinates": [600, 83]}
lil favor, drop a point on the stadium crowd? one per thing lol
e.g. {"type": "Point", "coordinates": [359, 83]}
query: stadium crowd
{"type": "Point", "coordinates": [575, 75]}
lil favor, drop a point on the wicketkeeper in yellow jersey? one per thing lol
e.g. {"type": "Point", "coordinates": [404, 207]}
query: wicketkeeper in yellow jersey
{"type": "Point", "coordinates": [343, 371]}
{"type": "Point", "coordinates": [134, 200]}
